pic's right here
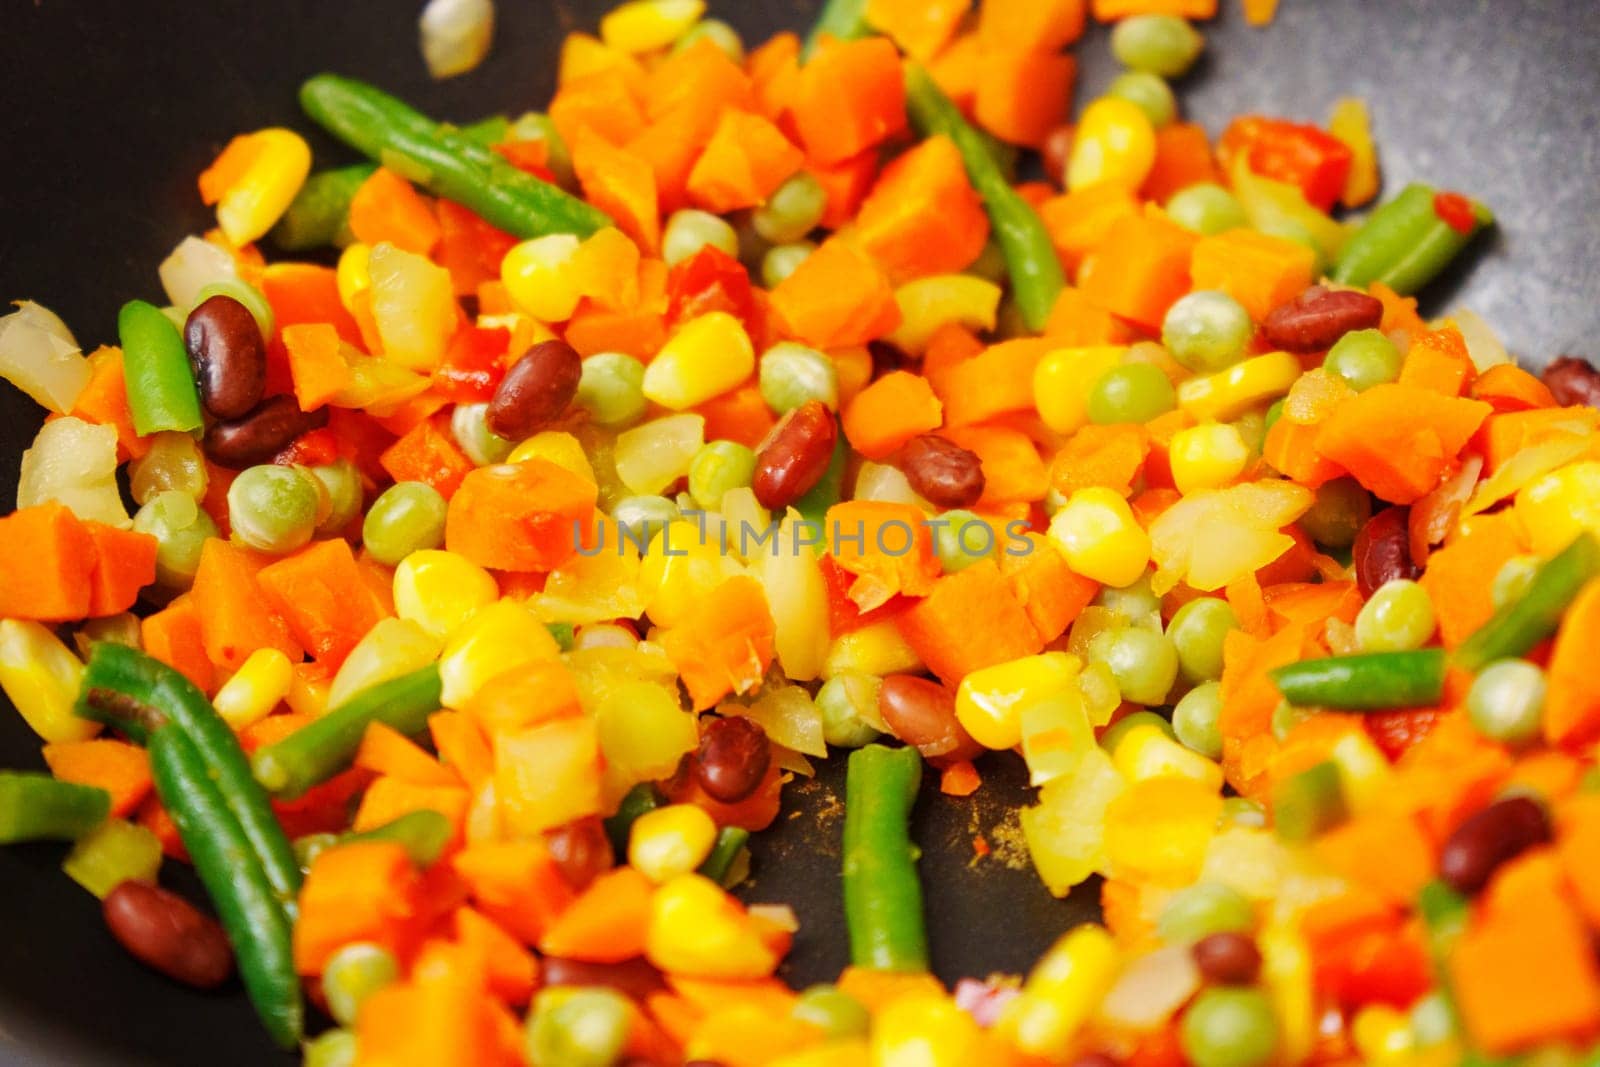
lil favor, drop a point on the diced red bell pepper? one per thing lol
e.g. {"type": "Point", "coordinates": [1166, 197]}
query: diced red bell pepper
{"type": "Point", "coordinates": [473, 365]}
{"type": "Point", "coordinates": [1301, 155]}
{"type": "Point", "coordinates": [843, 615]}
{"type": "Point", "coordinates": [314, 448]}
{"type": "Point", "coordinates": [709, 280]}
{"type": "Point", "coordinates": [1456, 212]}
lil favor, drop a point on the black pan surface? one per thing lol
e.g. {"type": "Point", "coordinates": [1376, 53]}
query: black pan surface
{"type": "Point", "coordinates": [109, 109]}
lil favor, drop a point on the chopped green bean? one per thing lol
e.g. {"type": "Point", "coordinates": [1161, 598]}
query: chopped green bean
{"type": "Point", "coordinates": [882, 896]}
{"type": "Point", "coordinates": [1513, 630]}
{"type": "Point", "coordinates": [1406, 242]}
{"type": "Point", "coordinates": [37, 807]}
{"type": "Point", "coordinates": [1368, 681]}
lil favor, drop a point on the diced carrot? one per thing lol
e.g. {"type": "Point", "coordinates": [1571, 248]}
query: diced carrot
{"type": "Point", "coordinates": [514, 883]}
{"type": "Point", "coordinates": [47, 569]}
{"type": "Point", "coordinates": [1504, 435]}
{"type": "Point", "coordinates": [922, 217]}
{"type": "Point", "coordinates": [1455, 577]}
{"type": "Point", "coordinates": [386, 751]}
{"type": "Point", "coordinates": [124, 563]}
{"type": "Point", "coordinates": [388, 208]}
{"type": "Point", "coordinates": [774, 71]}
{"type": "Point", "coordinates": [851, 97]}
{"type": "Point", "coordinates": [1259, 270]}
{"type": "Point", "coordinates": [1041, 26]}
{"type": "Point", "coordinates": [1049, 591]}
{"type": "Point", "coordinates": [619, 183]}
{"type": "Point", "coordinates": [429, 455]}
{"type": "Point", "coordinates": [920, 27]}
{"type": "Point", "coordinates": [1077, 321]}
{"type": "Point", "coordinates": [1291, 449]}
{"type": "Point", "coordinates": [956, 69]}
{"type": "Point", "coordinates": [969, 620]}
{"type": "Point", "coordinates": [320, 593]}
{"type": "Point", "coordinates": [469, 248]}
{"type": "Point", "coordinates": [434, 1018]}
{"type": "Point", "coordinates": [605, 105]}
{"type": "Point", "coordinates": [724, 644]}
{"type": "Point", "coordinates": [1259, 12]}
{"type": "Point", "coordinates": [835, 298]}
{"type": "Point", "coordinates": [520, 517]}
{"type": "Point", "coordinates": [1438, 360]}
{"type": "Point", "coordinates": [236, 617]}
{"type": "Point", "coordinates": [887, 547]}
{"type": "Point", "coordinates": [583, 54]}
{"type": "Point", "coordinates": [1109, 457]}
{"type": "Point", "coordinates": [547, 775]}
{"type": "Point", "coordinates": [1022, 94]}
{"type": "Point", "coordinates": [1578, 848]}
{"type": "Point", "coordinates": [511, 969]}
{"type": "Point", "coordinates": [746, 159]}
{"type": "Point", "coordinates": [845, 184]}
{"type": "Point", "coordinates": [889, 412]}
{"type": "Point", "coordinates": [1079, 221]}
{"type": "Point", "coordinates": [315, 363]}
{"type": "Point", "coordinates": [1507, 387]}
{"type": "Point", "coordinates": [1140, 269]}
{"type": "Point", "coordinates": [1307, 602]}
{"type": "Point", "coordinates": [1396, 440]}
{"type": "Point", "coordinates": [1183, 158]}
{"type": "Point", "coordinates": [120, 768]}
{"type": "Point", "coordinates": [104, 400]}
{"type": "Point", "coordinates": [1383, 852]}
{"type": "Point", "coordinates": [172, 635]}
{"type": "Point", "coordinates": [388, 798]}
{"type": "Point", "coordinates": [1572, 704]}
{"type": "Point", "coordinates": [877, 989]}
{"type": "Point", "coordinates": [524, 696]}
{"type": "Point", "coordinates": [994, 383]}
{"type": "Point", "coordinates": [307, 292]}
{"type": "Point", "coordinates": [960, 779]}
{"type": "Point", "coordinates": [153, 817]}
{"type": "Point", "coordinates": [462, 746]}
{"type": "Point", "coordinates": [1012, 469]}
{"type": "Point", "coordinates": [738, 415]}
{"type": "Point", "coordinates": [607, 923]}
{"type": "Point", "coordinates": [355, 892]}
{"type": "Point", "coordinates": [1112, 10]}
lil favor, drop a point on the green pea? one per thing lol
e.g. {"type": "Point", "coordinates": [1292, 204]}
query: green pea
{"type": "Point", "coordinates": [577, 1028]}
{"type": "Point", "coordinates": [1144, 663]}
{"type": "Point", "coordinates": [354, 973]}
{"type": "Point", "coordinates": [174, 461]}
{"type": "Point", "coordinates": [611, 389]}
{"type": "Point", "coordinates": [1207, 208]}
{"type": "Point", "coordinates": [843, 701]}
{"type": "Point", "coordinates": [537, 126]}
{"type": "Point", "coordinates": [719, 33]}
{"type": "Point", "coordinates": [1149, 93]}
{"type": "Point", "coordinates": [833, 1011]}
{"type": "Point", "coordinates": [1128, 723]}
{"type": "Point", "coordinates": [1242, 811]}
{"type": "Point", "coordinates": [961, 539]}
{"type": "Point", "coordinates": [780, 261]}
{"type": "Point", "coordinates": [1203, 909]}
{"type": "Point", "coordinates": [1133, 392]}
{"type": "Point", "coordinates": [792, 374]}
{"type": "Point", "coordinates": [718, 467]}
{"type": "Point", "coordinates": [1432, 1020]}
{"type": "Point", "coordinates": [274, 509]}
{"type": "Point", "coordinates": [688, 230]}
{"type": "Point", "coordinates": [1207, 331]}
{"type": "Point", "coordinates": [1511, 581]}
{"type": "Point", "coordinates": [1197, 631]}
{"type": "Point", "coordinates": [335, 1048]}
{"type": "Point", "coordinates": [1136, 602]}
{"type": "Point", "coordinates": [1162, 44]}
{"type": "Point", "coordinates": [793, 210]}
{"type": "Point", "coordinates": [1228, 1026]}
{"type": "Point", "coordinates": [407, 517]}
{"type": "Point", "coordinates": [642, 517]}
{"type": "Point", "coordinates": [1506, 701]}
{"type": "Point", "coordinates": [341, 487]}
{"type": "Point", "coordinates": [246, 294]}
{"type": "Point", "coordinates": [181, 530]}
{"type": "Point", "coordinates": [1363, 358]}
{"type": "Point", "coordinates": [308, 847]}
{"type": "Point", "coordinates": [1397, 617]}
{"type": "Point", "coordinates": [470, 427]}
{"type": "Point", "coordinates": [1197, 720]}
{"type": "Point", "coordinates": [1341, 508]}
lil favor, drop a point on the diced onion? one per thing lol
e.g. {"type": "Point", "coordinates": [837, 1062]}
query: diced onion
{"type": "Point", "coordinates": [74, 463]}
{"type": "Point", "coordinates": [455, 35]}
{"type": "Point", "coordinates": [193, 265]}
{"type": "Point", "coordinates": [1482, 344]}
{"type": "Point", "coordinates": [39, 356]}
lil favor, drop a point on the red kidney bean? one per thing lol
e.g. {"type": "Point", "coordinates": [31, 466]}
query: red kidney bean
{"type": "Point", "coordinates": [581, 850]}
{"type": "Point", "coordinates": [635, 978]}
{"type": "Point", "coordinates": [535, 391]}
{"type": "Point", "coordinates": [228, 356]}
{"type": "Point", "coordinates": [795, 455]}
{"type": "Point", "coordinates": [1573, 381]}
{"type": "Point", "coordinates": [942, 472]}
{"type": "Point", "coordinates": [733, 757]}
{"type": "Point", "coordinates": [1318, 317]}
{"type": "Point", "coordinates": [1382, 549]}
{"type": "Point", "coordinates": [922, 713]}
{"type": "Point", "coordinates": [1500, 832]}
{"type": "Point", "coordinates": [1228, 958]}
{"type": "Point", "coordinates": [262, 434]}
{"type": "Point", "coordinates": [163, 931]}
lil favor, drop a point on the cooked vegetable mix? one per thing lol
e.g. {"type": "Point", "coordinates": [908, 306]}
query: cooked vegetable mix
{"type": "Point", "coordinates": [629, 457]}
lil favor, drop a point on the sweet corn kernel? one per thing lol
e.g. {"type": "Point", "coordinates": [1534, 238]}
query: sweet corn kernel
{"type": "Point", "coordinates": [1114, 143]}
{"type": "Point", "coordinates": [253, 202]}
{"type": "Point", "coordinates": [1147, 752]}
{"type": "Point", "coordinates": [990, 701]}
{"type": "Point", "coordinates": [1242, 386]}
{"type": "Point", "coordinates": [41, 676]}
{"type": "Point", "coordinates": [440, 590]}
{"type": "Point", "coordinates": [308, 690]}
{"type": "Point", "coordinates": [353, 276]}
{"type": "Point", "coordinates": [877, 649]}
{"type": "Point", "coordinates": [535, 275]}
{"type": "Point", "coordinates": [929, 303]}
{"type": "Point", "coordinates": [1100, 537]}
{"type": "Point", "coordinates": [1062, 992]}
{"type": "Point", "coordinates": [698, 931]}
{"type": "Point", "coordinates": [1286, 975]}
{"type": "Point", "coordinates": [706, 358]}
{"type": "Point", "coordinates": [1557, 507]}
{"type": "Point", "coordinates": [413, 305]}
{"type": "Point", "coordinates": [498, 637]}
{"type": "Point", "coordinates": [1364, 771]}
{"type": "Point", "coordinates": [557, 446]}
{"type": "Point", "coordinates": [391, 648]}
{"type": "Point", "coordinates": [646, 25]}
{"type": "Point", "coordinates": [1207, 457]}
{"type": "Point", "coordinates": [670, 841]}
{"type": "Point", "coordinates": [924, 1030]}
{"type": "Point", "coordinates": [850, 1053]}
{"type": "Point", "coordinates": [255, 688]}
{"type": "Point", "coordinates": [1062, 382]}
{"type": "Point", "coordinates": [679, 570]}
{"type": "Point", "coordinates": [1381, 1034]}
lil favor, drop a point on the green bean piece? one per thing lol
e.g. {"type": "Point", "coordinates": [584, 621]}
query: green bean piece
{"type": "Point", "coordinates": [235, 878]}
{"type": "Point", "coordinates": [181, 529]}
{"type": "Point", "coordinates": [423, 834]}
{"type": "Point", "coordinates": [407, 517]}
{"type": "Point", "coordinates": [137, 694]}
{"type": "Point", "coordinates": [37, 807]}
{"type": "Point", "coordinates": [445, 163]}
{"type": "Point", "coordinates": [1513, 630]}
{"type": "Point", "coordinates": [319, 214]}
{"type": "Point", "coordinates": [882, 896]}
{"type": "Point", "coordinates": [842, 20]}
{"type": "Point", "coordinates": [563, 632]}
{"type": "Point", "coordinates": [1307, 803]}
{"type": "Point", "coordinates": [161, 390]}
{"type": "Point", "coordinates": [636, 802]}
{"type": "Point", "coordinates": [1036, 277]}
{"type": "Point", "coordinates": [487, 131]}
{"type": "Point", "coordinates": [1367, 681]}
{"type": "Point", "coordinates": [730, 839]}
{"type": "Point", "coordinates": [1405, 243]}
{"type": "Point", "coordinates": [322, 748]}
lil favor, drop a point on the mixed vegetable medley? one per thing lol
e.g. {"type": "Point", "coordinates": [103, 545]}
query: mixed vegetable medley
{"type": "Point", "coordinates": [566, 483]}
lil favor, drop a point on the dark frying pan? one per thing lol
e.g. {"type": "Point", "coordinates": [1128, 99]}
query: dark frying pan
{"type": "Point", "coordinates": [111, 109]}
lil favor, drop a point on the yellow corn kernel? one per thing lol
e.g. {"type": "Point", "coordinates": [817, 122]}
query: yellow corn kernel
{"type": "Point", "coordinates": [646, 25]}
{"type": "Point", "coordinates": [353, 275]}
{"type": "Point", "coordinates": [1114, 143]}
{"type": "Point", "coordinates": [1066, 985]}
{"type": "Point", "coordinates": [1242, 386]}
{"type": "Point", "coordinates": [1100, 537]}
{"type": "Point", "coordinates": [1286, 974]}
{"type": "Point", "coordinates": [41, 676]}
{"type": "Point", "coordinates": [391, 648]}
{"type": "Point", "coordinates": [269, 176]}
{"type": "Point", "coordinates": [1381, 1034]}
{"type": "Point", "coordinates": [878, 649]}
{"type": "Point", "coordinates": [1351, 124]}
{"type": "Point", "coordinates": [924, 1030]}
{"type": "Point", "coordinates": [413, 305]}
{"type": "Point", "coordinates": [1147, 752]}
{"type": "Point", "coordinates": [1364, 771]}
{"type": "Point", "coordinates": [498, 637]}
{"type": "Point", "coordinates": [670, 841]}
{"type": "Point", "coordinates": [1062, 382]}
{"type": "Point", "coordinates": [706, 358]}
{"type": "Point", "coordinates": [1207, 456]}
{"type": "Point", "coordinates": [308, 690]}
{"type": "Point", "coordinates": [929, 303]}
{"type": "Point", "coordinates": [440, 590]}
{"type": "Point", "coordinates": [696, 930]}
{"type": "Point", "coordinates": [114, 852]}
{"type": "Point", "coordinates": [848, 1053]}
{"type": "Point", "coordinates": [1557, 507]}
{"type": "Point", "coordinates": [557, 446]}
{"type": "Point", "coordinates": [255, 688]}
{"type": "Point", "coordinates": [536, 276]}
{"type": "Point", "coordinates": [679, 569]}
{"type": "Point", "coordinates": [990, 702]}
